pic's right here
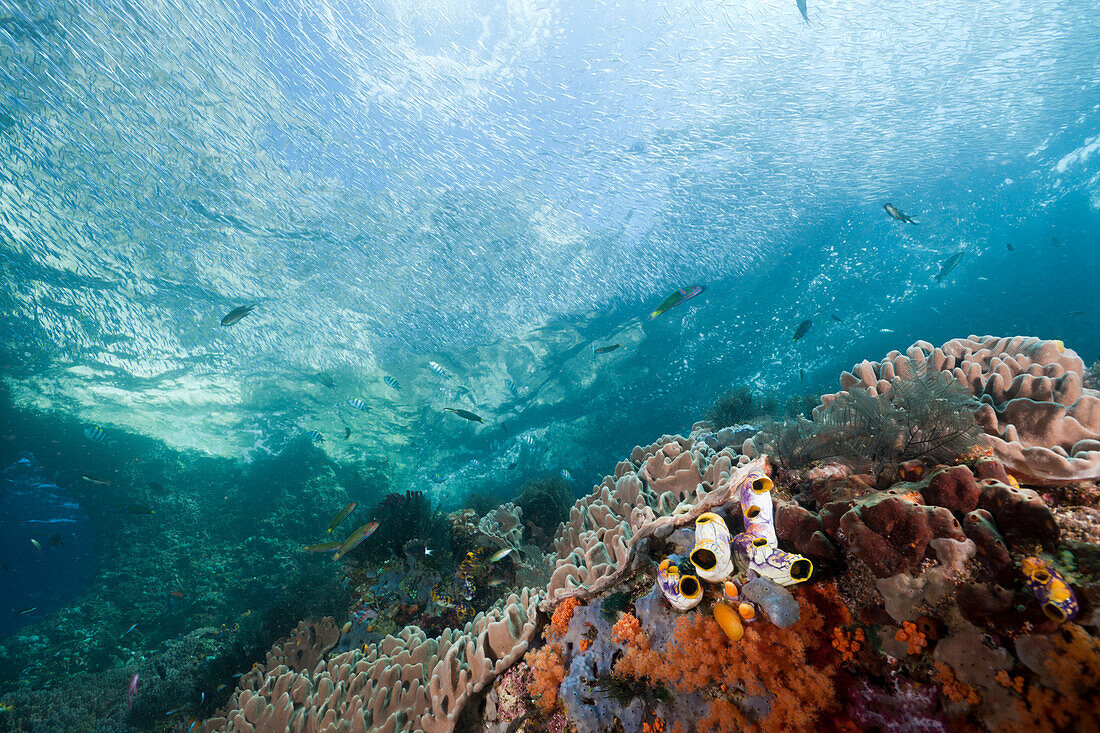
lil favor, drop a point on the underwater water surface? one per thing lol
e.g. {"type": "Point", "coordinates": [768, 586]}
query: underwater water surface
{"type": "Point", "coordinates": [280, 275]}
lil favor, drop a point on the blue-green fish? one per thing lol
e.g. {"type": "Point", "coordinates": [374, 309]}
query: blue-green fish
{"type": "Point", "coordinates": [391, 382]}
{"type": "Point", "coordinates": [464, 414]}
{"type": "Point", "coordinates": [803, 329]}
{"type": "Point", "coordinates": [357, 403]}
{"type": "Point", "coordinates": [342, 515]}
{"type": "Point", "coordinates": [676, 299]}
{"type": "Point", "coordinates": [325, 380]}
{"type": "Point", "coordinates": [236, 314]}
{"type": "Point", "coordinates": [604, 349]}
{"type": "Point", "coordinates": [803, 9]}
{"type": "Point", "coordinates": [355, 538]}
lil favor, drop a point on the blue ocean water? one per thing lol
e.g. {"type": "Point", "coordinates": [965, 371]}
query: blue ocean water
{"type": "Point", "coordinates": [38, 580]}
{"type": "Point", "coordinates": [499, 190]}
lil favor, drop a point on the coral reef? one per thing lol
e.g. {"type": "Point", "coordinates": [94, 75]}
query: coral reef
{"type": "Point", "coordinates": [404, 517]}
{"type": "Point", "coordinates": [545, 503]}
{"type": "Point", "coordinates": [947, 592]}
{"type": "Point", "coordinates": [1041, 420]}
{"type": "Point", "coordinates": [925, 415]}
{"type": "Point", "coordinates": [404, 681]}
{"type": "Point", "coordinates": [737, 405]}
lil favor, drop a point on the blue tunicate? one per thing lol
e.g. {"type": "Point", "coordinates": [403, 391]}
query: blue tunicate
{"type": "Point", "coordinates": [775, 600]}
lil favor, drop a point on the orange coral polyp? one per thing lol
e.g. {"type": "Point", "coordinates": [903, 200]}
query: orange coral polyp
{"type": "Point", "coordinates": [914, 639]}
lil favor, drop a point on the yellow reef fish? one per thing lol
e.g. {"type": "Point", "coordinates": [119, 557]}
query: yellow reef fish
{"type": "Point", "coordinates": [342, 515]}
{"type": "Point", "coordinates": [323, 547]}
{"type": "Point", "coordinates": [355, 538]}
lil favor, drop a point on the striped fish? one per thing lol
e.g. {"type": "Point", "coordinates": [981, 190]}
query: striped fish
{"type": "Point", "coordinates": [315, 436]}
{"type": "Point", "coordinates": [527, 440]}
{"type": "Point", "coordinates": [437, 370]}
{"type": "Point", "coordinates": [511, 387]}
{"type": "Point", "coordinates": [357, 403]}
{"type": "Point", "coordinates": [95, 434]}
{"type": "Point", "coordinates": [391, 382]}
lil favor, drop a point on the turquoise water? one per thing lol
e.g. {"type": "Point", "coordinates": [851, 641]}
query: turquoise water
{"type": "Point", "coordinates": [497, 189]}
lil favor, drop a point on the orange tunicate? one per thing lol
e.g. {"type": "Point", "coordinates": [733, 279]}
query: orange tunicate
{"type": "Point", "coordinates": [729, 620]}
{"type": "Point", "coordinates": [747, 611]}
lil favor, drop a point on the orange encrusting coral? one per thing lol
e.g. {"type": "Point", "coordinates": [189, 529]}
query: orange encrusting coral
{"type": "Point", "coordinates": [974, 453]}
{"type": "Point", "coordinates": [848, 644]}
{"type": "Point", "coordinates": [953, 689]}
{"type": "Point", "coordinates": [1073, 665]}
{"type": "Point", "coordinates": [914, 639]}
{"type": "Point", "coordinates": [563, 614]}
{"type": "Point", "coordinates": [767, 661]}
{"type": "Point", "coordinates": [549, 670]}
{"type": "Point", "coordinates": [1006, 680]}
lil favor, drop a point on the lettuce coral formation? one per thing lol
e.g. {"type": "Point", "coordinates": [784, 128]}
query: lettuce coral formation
{"type": "Point", "coordinates": [918, 615]}
{"type": "Point", "coordinates": [1041, 420]}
